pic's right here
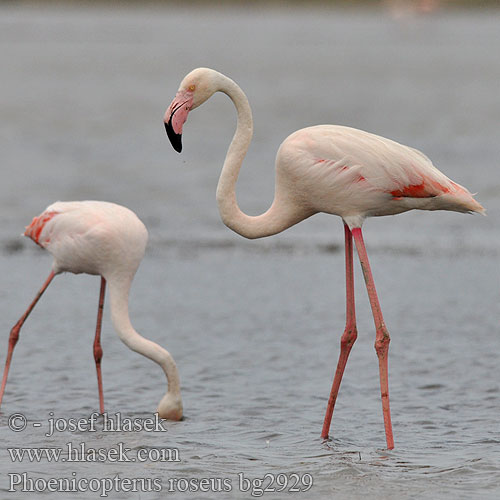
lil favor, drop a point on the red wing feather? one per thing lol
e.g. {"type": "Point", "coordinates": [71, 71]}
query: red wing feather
{"type": "Point", "coordinates": [428, 188]}
{"type": "Point", "coordinates": [37, 224]}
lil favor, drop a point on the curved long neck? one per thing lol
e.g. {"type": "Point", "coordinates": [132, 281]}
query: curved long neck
{"type": "Point", "coordinates": [277, 218]}
{"type": "Point", "coordinates": [118, 296]}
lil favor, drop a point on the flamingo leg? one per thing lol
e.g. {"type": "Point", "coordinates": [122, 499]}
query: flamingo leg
{"type": "Point", "coordinates": [14, 333]}
{"type": "Point", "coordinates": [97, 344]}
{"type": "Point", "coordinates": [350, 333]}
{"type": "Point", "coordinates": [382, 338]}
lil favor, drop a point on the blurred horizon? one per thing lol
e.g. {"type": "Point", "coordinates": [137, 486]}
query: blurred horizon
{"type": "Point", "coordinates": [421, 6]}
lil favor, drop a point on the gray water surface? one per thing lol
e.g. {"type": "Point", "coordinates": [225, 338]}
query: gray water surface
{"type": "Point", "coordinates": [254, 326]}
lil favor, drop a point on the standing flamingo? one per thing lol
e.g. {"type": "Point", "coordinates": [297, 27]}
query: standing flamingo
{"type": "Point", "coordinates": [332, 169]}
{"type": "Point", "coordinates": [109, 240]}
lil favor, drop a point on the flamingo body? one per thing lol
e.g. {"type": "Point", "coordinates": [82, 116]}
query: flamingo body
{"type": "Point", "coordinates": [92, 237]}
{"type": "Point", "coordinates": [100, 238]}
{"type": "Point", "coordinates": [355, 174]}
{"type": "Point", "coordinates": [326, 168]}
{"type": "Point", "coordinates": [332, 169]}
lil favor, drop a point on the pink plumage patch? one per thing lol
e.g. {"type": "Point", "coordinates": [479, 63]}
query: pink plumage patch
{"type": "Point", "coordinates": [428, 188]}
{"type": "Point", "coordinates": [34, 230]}
{"type": "Point", "coordinates": [413, 191]}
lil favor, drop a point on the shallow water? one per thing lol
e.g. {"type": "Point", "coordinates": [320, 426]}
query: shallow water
{"type": "Point", "coordinates": [255, 326]}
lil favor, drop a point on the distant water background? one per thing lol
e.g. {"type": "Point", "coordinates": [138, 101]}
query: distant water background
{"type": "Point", "coordinates": [254, 325]}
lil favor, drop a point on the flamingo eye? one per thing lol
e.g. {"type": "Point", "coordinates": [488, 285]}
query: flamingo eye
{"type": "Point", "coordinates": [192, 88]}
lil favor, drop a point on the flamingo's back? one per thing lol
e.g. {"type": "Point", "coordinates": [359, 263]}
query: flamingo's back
{"type": "Point", "coordinates": [356, 174]}
{"type": "Point", "coordinates": [92, 237]}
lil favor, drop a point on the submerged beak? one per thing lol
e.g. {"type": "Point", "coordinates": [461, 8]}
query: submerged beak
{"type": "Point", "coordinates": [176, 116]}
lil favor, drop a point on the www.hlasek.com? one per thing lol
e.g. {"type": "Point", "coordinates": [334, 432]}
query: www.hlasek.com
{"type": "Point", "coordinates": [256, 487]}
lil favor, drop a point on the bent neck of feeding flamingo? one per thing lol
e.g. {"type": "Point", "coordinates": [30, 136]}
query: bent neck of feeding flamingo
{"type": "Point", "coordinates": [118, 297]}
{"type": "Point", "coordinates": [276, 218]}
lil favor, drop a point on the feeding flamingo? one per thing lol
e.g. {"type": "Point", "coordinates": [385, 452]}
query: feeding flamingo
{"type": "Point", "coordinates": [109, 240]}
{"type": "Point", "coordinates": [332, 169]}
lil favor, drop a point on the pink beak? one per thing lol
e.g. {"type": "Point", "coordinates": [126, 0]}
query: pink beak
{"type": "Point", "coordinates": [176, 116]}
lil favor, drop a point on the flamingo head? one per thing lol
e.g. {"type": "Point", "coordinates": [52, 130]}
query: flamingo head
{"type": "Point", "coordinates": [195, 89]}
{"type": "Point", "coordinates": [170, 407]}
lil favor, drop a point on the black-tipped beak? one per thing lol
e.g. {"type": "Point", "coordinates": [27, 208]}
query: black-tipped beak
{"type": "Point", "coordinates": [175, 139]}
